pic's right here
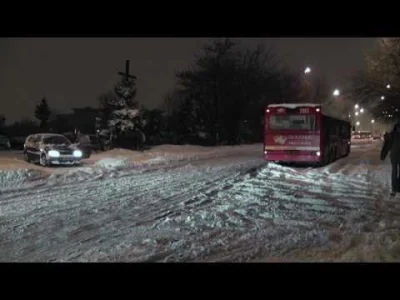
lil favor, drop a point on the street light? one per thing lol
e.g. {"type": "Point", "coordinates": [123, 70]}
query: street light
{"type": "Point", "coordinates": [388, 86]}
{"type": "Point", "coordinates": [383, 98]}
{"type": "Point", "coordinates": [361, 110]}
{"type": "Point", "coordinates": [372, 121]}
{"type": "Point", "coordinates": [336, 92]}
{"type": "Point", "coordinates": [356, 113]}
{"type": "Point", "coordinates": [307, 70]}
{"type": "Point", "coordinates": [358, 123]}
{"type": "Point", "coordinates": [356, 106]}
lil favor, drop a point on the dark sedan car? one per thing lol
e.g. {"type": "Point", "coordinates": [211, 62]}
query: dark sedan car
{"type": "Point", "coordinates": [4, 142]}
{"type": "Point", "coordinates": [49, 149]}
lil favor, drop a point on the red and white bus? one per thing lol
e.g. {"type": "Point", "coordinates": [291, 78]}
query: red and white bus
{"type": "Point", "coordinates": [303, 133]}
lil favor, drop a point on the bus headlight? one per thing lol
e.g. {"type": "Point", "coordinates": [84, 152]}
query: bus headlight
{"type": "Point", "coordinates": [318, 153]}
{"type": "Point", "coordinates": [78, 153]}
{"type": "Point", "coordinates": [54, 153]}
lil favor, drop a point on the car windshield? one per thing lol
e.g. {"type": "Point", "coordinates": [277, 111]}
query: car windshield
{"type": "Point", "coordinates": [56, 140]}
{"type": "Point", "coordinates": [292, 122]}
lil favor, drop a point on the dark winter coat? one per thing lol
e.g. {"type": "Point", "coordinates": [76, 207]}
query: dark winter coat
{"type": "Point", "coordinates": [392, 144]}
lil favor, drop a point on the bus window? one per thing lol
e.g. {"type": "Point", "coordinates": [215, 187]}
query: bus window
{"type": "Point", "coordinates": [292, 122]}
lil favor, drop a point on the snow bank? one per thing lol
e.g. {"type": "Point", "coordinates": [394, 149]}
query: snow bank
{"type": "Point", "coordinates": [116, 161]}
{"type": "Point", "coordinates": [109, 166]}
{"type": "Point", "coordinates": [165, 154]}
{"type": "Point", "coordinates": [14, 177]}
{"type": "Point", "coordinates": [113, 163]}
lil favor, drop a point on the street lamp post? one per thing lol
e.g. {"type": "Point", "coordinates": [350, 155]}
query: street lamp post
{"type": "Point", "coordinates": [306, 83]}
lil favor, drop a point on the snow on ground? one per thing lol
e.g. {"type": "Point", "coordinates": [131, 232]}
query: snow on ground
{"type": "Point", "coordinates": [14, 170]}
{"type": "Point", "coordinates": [229, 208]}
{"type": "Point", "coordinates": [166, 154]}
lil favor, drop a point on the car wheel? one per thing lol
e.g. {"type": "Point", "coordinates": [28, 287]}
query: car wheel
{"type": "Point", "coordinates": [26, 157]}
{"type": "Point", "coordinates": [43, 161]}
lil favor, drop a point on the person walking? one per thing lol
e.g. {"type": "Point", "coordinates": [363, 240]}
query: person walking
{"type": "Point", "coordinates": [392, 144]}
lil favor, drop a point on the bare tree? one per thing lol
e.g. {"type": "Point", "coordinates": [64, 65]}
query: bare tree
{"type": "Point", "coordinates": [378, 88]}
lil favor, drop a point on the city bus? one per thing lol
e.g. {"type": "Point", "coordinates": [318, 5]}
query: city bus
{"type": "Point", "coordinates": [303, 133]}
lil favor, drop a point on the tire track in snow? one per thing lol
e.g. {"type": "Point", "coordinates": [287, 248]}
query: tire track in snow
{"type": "Point", "coordinates": [66, 206]}
{"type": "Point", "coordinates": [350, 204]}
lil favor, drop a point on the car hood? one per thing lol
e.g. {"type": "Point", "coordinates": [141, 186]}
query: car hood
{"type": "Point", "coordinates": [60, 147]}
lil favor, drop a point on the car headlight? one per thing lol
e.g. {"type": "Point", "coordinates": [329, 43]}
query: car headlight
{"type": "Point", "coordinates": [78, 153]}
{"type": "Point", "coordinates": [54, 153]}
{"type": "Point", "coordinates": [318, 153]}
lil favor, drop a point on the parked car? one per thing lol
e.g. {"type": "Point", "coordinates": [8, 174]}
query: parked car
{"type": "Point", "coordinates": [17, 142]}
{"type": "Point", "coordinates": [362, 135]}
{"type": "Point", "coordinates": [4, 142]}
{"type": "Point", "coordinates": [377, 136]}
{"type": "Point", "coordinates": [48, 149]}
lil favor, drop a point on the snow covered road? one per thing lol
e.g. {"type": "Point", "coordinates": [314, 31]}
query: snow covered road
{"type": "Point", "coordinates": [232, 208]}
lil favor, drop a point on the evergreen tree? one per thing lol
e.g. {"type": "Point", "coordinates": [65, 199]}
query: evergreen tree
{"type": "Point", "coordinates": [2, 121]}
{"type": "Point", "coordinates": [42, 113]}
{"type": "Point", "coordinates": [125, 113]}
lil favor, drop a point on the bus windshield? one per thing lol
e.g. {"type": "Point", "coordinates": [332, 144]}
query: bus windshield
{"type": "Point", "coordinates": [292, 122]}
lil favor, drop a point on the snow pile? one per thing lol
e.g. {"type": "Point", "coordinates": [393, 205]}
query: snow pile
{"type": "Point", "coordinates": [166, 154]}
{"type": "Point", "coordinates": [190, 152]}
{"type": "Point", "coordinates": [157, 161]}
{"type": "Point", "coordinates": [107, 166]}
{"type": "Point", "coordinates": [111, 163]}
{"type": "Point", "coordinates": [14, 177]}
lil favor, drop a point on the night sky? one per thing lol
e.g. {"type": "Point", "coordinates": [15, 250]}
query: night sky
{"type": "Point", "coordinates": [73, 72]}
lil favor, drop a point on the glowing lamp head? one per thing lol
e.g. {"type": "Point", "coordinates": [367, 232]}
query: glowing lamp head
{"type": "Point", "coordinates": [54, 153]}
{"type": "Point", "coordinates": [77, 153]}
